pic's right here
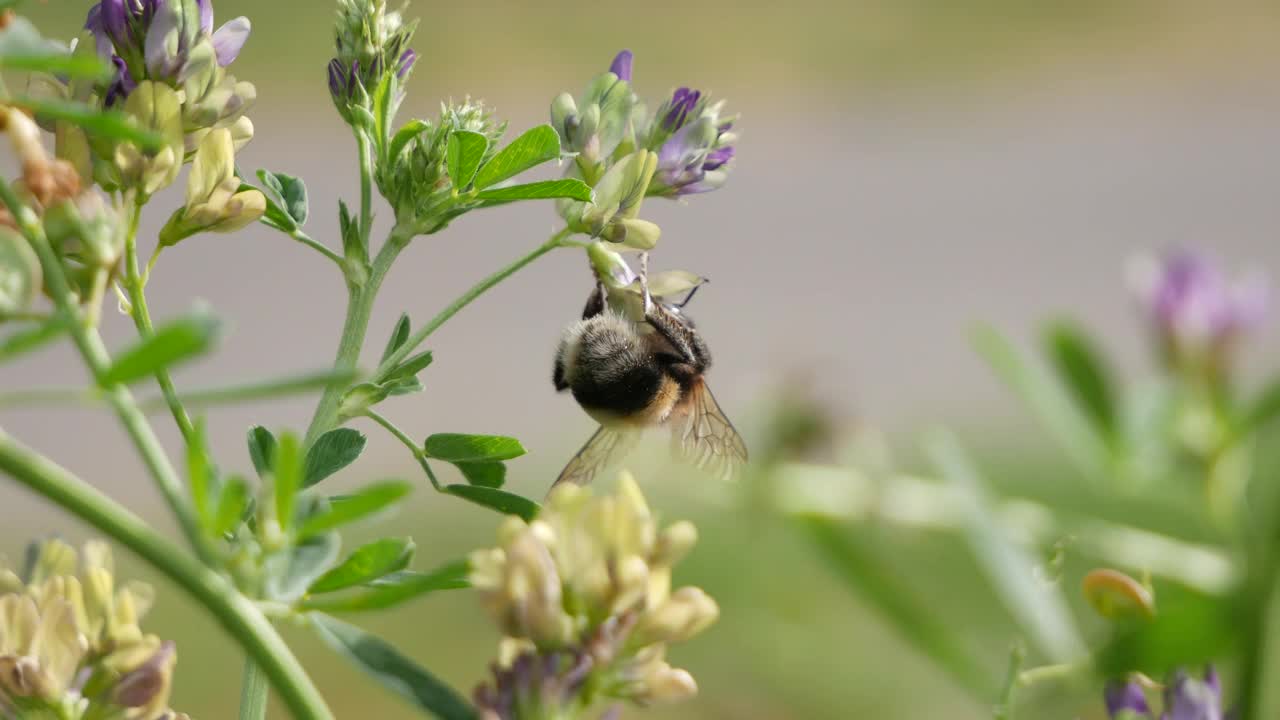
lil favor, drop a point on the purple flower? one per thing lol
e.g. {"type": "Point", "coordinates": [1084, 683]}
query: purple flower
{"type": "Point", "coordinates": [694, 159]}
{"type": "Point", "coordinates": [122, 83]}
{"type": "Point", "coordinates": [342, 80]}
{"type": "Point", "coordinates": [1192, 304]}
{"type": "Point", "coordinates": [621, 65]}
{"type": "Point", "coordinates": [1186, 698]}
{"type": "Point", "coordinates": [229, 39]}
{"type": "Point", "coordinates": [154, 37]}
{"type": "Point", "coordinates": [1127, 696]}
{"type": "Point", "coordinates": [407, 59]}
{"type": "Point", "coordinates": [718, 158]}
{"type": "Point", "coordinates": [677, 110]}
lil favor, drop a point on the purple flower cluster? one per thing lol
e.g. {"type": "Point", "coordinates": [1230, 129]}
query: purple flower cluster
{"type": "Point", "coordinates": [1194, 307]}
{"type": "Point", "coordinates": [1185, 698]}
{"type": "Point", "coordinates": [692, 141]}
{"type": "Point", "coordinates": [153, 39]}
{"type": "Point", "coordinates": [345, 78]}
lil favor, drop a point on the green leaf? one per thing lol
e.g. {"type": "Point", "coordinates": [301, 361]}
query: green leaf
{"type": "Point", "coordinates": [395, 589]}
{"type": "Point", "coordinates": [393, 670]}
{"type": "Point", "coordinates": [171, 344]}
{"type": "Point", "coordinates": [1188, 628]}
{"type": "Point", "coordinates": [23, 49]}
{"type": "Point", "coordinates": [398, 337]}
{"type": "Point", "coordinates": [410, 367]}
{"type": "Point", "coordinates": [859, 564]}
{"type": "Point", "coordinates": [290, 573]}
{"type": "Point", "coordinates": [24, 341]}
{"type": "Point", "coordinates": [232, 503]}
{"type": "Point", "coordinates": [333, 451]}
{"type": "Point", "coordinates": [78, 66]}
{"type": "Point", "coordinates": [286, 194]}
{"type": "Point", "coordinates": [201, 478]}
{"type": "Point", "coordinates": [349, 229]}
{"type": "Point", "coordinates": [484, 474]}
{"type": "Point", "coordinates": [542, 190]}
{"type": "Point", "coordinates": [111, 124]}
{"type": "Point", "coordinates": [464, 152]}
{"type": "Point", "coordinates": [345, 509]}
{"type": "Point", "coordinates": [262, 390]}
{"type": "Point", "coordinates": [455, 447]}
{"type": "Point", "coordinates": [262, 449]}
{"type": "Point", "coordinates": [1046, 399]}
{"type": "Point", "coordinates": [287, 478]}
{"type": "Point", "coordinates": [500, 500]}
{"type": "Point", "coordinates": [403, 386]}
{"type": "Point", "coordinates": [1039, 608]}
{"type": "Point", "coordinates": [534, 147]}
{"type": "Point", "coordinates": [1264, 409]}
{"type": "Point", "coordinates": [404, 136]}
{"type": "Point", "coordinates": [368, 563]}
{"type": "Point", "coordinates": [1082, 370]}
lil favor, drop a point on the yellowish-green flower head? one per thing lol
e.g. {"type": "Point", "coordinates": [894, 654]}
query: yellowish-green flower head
{"type": "Point", "coordinates": [215, 202]}
{"type": "Point", "coordinates": [590, 577]}
{"type": "Point", "coordinates": [70, 643]}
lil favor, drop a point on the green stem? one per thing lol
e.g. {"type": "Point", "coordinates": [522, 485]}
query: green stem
{"type": "Point", "coordinates": [366, 188]}
{"type": "Point", "coordinates": [253, 692]}
{"type": "Point", "coordinates": [466, 298]}
{"type": "Point", "coordinates": [318, 246]}
{"type": "Point", "coordinates": [50, 396]}
{"type": "Point", "coordinates": [1256, 633]}
{"type": "Point", "coordinates": [94, 353]}
{"type": "Point", "coordinates": [142, 319]}
{"type": "Point", "coordinates": [1005, 705]}
{"type": "Point", "coordinates": [361, 296]}
{"type": "Point", "coordinates": [236, 613]}
{"type": "Point", "coordinates": [415, 448]}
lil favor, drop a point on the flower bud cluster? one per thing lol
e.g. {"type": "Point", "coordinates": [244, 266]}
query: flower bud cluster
{"type": "Point", "coordinates": [71, 645]}
{"type": "Point", "coordinates": [583, 598]}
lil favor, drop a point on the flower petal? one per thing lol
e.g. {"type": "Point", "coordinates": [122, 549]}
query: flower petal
{"type": "Point", "coordinates": [206, 15]}
{"type": "Point", "coordinates": [621, 65]}
{"type": "Point", "coordinates": [230, 38]}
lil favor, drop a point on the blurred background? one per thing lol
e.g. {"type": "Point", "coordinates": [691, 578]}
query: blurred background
{"type": "Point", "coordinates": [906, 170]}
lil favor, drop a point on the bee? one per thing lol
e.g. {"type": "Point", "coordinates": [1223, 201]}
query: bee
{"type": "Point", "coordinates": [629, 376]}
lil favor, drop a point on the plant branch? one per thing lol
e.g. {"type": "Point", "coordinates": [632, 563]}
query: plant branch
{"type": "Point", "coordinates": [236, 613]}
{"type": "Point", "coordinates": [465, 299]}
{"type": "Point", "coordinates": [418, 453]}
{"type": "Point", "coordinates": [94, 353]}
{"type": "Point", "coordinates": [253, 692]}
{"type": "Point", "coordinates": [134, 285]}
{"type": "Point", "coordinates": [316, 245]}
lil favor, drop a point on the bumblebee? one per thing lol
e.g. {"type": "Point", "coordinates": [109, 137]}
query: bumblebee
{"type": "Point", "coordinates": [630, 376]}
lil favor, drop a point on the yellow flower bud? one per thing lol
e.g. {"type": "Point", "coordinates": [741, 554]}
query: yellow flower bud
{"type": "Point", "coordinates": [686, 613]}
{"type": "Point", "coordinates": [667, 685]}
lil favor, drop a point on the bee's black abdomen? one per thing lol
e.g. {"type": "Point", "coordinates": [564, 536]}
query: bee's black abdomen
{"type": "Point", "coordinates": [625, 394]}
{"type": "Point", "coordinates": [611, 369]}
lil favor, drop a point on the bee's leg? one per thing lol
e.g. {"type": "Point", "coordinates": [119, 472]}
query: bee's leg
{"type": "Point", "coordinates": [689, 297]}
{"type": "Point", "coordinates": [596, 303]}
{"type": "Point", "coordinates": [644, 283]}
{"type": "Point", "coordinates": [688, 344]}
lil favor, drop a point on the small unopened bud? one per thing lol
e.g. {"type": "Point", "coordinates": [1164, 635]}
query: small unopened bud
{"type": "Point", "coordinates": [1116, 595]}
{"type": "Point", "coordinates": [668, 685]}
{"type": "Point", "coordinates": [564, 118]}
{"type": "Point", "coordinates": [686, 613]}
{"type": "Point", "coordinates": [675, 542]}
{"type": "Point", "coordinates": [634, 233]}
{"type": "Point", "coordinates": [20, 275]}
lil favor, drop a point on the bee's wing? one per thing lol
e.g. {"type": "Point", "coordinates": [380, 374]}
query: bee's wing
{"type": "Point", "coordinates": [704, 436]}
{"type": "Point", "coordinates": [604, 447]}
